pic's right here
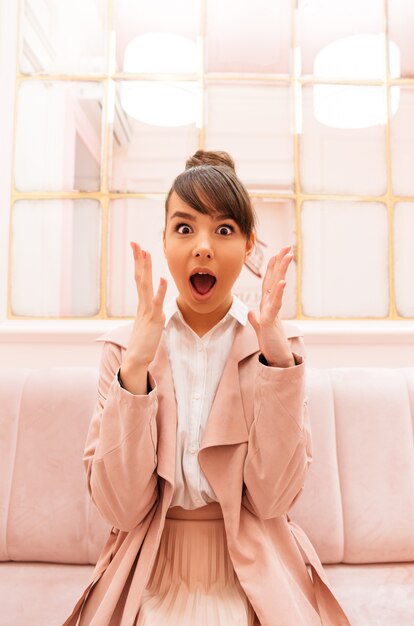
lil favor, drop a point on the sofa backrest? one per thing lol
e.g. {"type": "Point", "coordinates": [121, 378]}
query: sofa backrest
{"type": "Point", "coordinates": [357, 505]}
{"type": "Point", "coordinates": [45, 510]}
{"type": "Point", "coordinates": [358, 502]}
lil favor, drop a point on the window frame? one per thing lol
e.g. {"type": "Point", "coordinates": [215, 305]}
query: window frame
{"type": "Point", "coordinates": [9, 25]}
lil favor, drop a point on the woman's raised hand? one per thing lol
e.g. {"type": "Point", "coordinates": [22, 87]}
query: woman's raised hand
{"type": "Point", "coordinates": [148, 324]}
{"type": "Point", "coordinates": [272, 339]}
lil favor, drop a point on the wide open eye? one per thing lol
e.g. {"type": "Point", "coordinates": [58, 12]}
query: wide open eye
{"type": "Point", "coordinates": [225, 227]}
{"type": "Point", "coordinates": [181, 228]}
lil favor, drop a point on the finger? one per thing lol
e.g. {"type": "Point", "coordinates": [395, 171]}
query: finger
{"type": "Point", "coordinates": [282, 264]}
{"type": "Point", "coordinates": [138, 268]}
{"type": "Point", "coordinates": [282, 254]}
{"type": "Point", "coordinates": [267, 280]}
{"type": "Point", "coordinates": [146, 280]}
{"type": "Point", "coordinates": [273, 267]}
{"type": "Point", "coordinates": [160, 295]}
{"type": "Point", "coordinates": [274, 301]}
{"type": "Point", "coordinates": [138, 259]}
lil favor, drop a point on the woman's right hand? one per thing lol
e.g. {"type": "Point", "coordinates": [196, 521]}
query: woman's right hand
{"type": "Point", "coordinates": [149, 321]}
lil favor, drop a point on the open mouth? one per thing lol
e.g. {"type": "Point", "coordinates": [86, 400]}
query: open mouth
{"type": "Point", "coordinates": [202, 282]}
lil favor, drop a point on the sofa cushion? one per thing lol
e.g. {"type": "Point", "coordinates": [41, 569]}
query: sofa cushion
{"type": "Point", "coordinates": [40, 594]}
{"type": "Point", "coordinates": [44, 594]}
{"type": "Point", "coordinates": [380, 594]}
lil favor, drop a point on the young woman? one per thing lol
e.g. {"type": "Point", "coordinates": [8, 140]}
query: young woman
{"type": "Point", "coordinates": [200, 441]}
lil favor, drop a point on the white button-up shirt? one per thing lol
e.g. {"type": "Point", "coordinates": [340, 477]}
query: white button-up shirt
{"type": "Point", "coordinates": [197, 364]}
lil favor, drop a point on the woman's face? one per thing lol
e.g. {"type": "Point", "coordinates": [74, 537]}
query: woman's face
{"type": "Point", "coordinates": [213, 246]}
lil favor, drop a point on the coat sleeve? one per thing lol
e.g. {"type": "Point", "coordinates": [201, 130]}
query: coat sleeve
{"type": "Point", "coordinates": [120, 455]}
{"type": "Point", "coordinates": [280, 446]}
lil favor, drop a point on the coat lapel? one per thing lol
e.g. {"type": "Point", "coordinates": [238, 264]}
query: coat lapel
{"type": "Point", "coordinates": [226, 424]}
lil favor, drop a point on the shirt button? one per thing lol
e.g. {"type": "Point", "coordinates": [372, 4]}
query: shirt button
{"type": "Point", "coordinates": [196, 396]}
{"type": "Point", "coordinates": [193, 449]}
{"type": "Point", "coordinates": [199, 347]}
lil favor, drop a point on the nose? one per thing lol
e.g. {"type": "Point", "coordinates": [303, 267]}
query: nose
{"type": "Point", "coordinates": [203, 249]}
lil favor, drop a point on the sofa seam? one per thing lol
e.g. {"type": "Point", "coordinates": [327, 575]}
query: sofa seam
{"type": "Point", "coordinates": [340, 481]}
{"type": "Point", "coordinates": [13, 472]}
{"type": "Point", "coordinates": [405, 378]}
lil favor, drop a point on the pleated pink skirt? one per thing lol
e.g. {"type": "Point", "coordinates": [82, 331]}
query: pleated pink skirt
{"type": "Point", "coordinates": [193, 582]}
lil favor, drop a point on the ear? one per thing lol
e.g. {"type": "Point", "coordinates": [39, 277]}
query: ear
{"type": "Point", "coordinates": [250, 243]}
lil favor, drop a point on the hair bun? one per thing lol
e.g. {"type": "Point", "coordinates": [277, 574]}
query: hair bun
{"type": "Point", "coordinates": [210, 157]}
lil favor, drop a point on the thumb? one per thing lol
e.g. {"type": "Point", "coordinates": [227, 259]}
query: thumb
{"type": "Point", "coordinates": [251, 316]}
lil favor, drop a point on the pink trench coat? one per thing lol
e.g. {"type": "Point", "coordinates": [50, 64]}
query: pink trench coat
{"type": "Point", "coordinates": [255, 452]}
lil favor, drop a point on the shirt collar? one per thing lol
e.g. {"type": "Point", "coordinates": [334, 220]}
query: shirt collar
{"type": "Point", "coordinates": [238, 310]}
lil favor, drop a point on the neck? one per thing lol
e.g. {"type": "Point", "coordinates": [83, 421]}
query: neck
{"type": "Point", "coordinates": [201, 323]}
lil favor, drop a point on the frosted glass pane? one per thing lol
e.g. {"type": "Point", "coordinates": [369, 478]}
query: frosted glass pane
{"type": "Point", "coordinates": [404, 258]}
{"type": "Point", "coordinates": [342, 160]}
{"type": "Point", "coordinates": [55, 258]}
{"type": "Point", "coordinates": [58, 136]}
{"type": "Point", "coordinates": [148, 156]}
{"type": "Point", "coordinates": [321, 24]}
{"type": "Point", "coordinates": [400, 29]}
{"type": "Point", "coordinates": [276, 227]}
{"type": "Point", "coordinates": [402, 141]}
{"type": "Point", "coordinates": [253, 123]}
{"type": "Point", "coordinates": [237, 41]}
{"type": "Point", "coordinates": [141, 220]}
{"type": "Point", "coordinates": [134, 18]}
{"type": "Point", "coordinates": [344, 259]}
{"type": "Point", "coordinates": [63, 37]}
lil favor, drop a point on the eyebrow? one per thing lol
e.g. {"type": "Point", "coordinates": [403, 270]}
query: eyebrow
{"type": "Point", "coordinates": [192, 218]}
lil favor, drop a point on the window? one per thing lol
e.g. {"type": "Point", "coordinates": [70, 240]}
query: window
{"type": "Point", "coordinates": [312, 98]}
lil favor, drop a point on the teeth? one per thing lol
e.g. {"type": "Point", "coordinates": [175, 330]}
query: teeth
{"type": "Point", "coordinates": [203, 274]}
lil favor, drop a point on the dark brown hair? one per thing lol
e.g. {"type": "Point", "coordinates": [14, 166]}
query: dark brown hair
{"type": "Point", "coordinates": [210, 185]}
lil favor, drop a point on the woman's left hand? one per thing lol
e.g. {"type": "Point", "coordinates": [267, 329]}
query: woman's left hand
{"type": "Point", "coordinates": [272, 340]}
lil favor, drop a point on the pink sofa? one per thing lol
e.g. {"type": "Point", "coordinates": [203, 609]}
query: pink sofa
{"type": "Point", "coordinates": [357, 506]}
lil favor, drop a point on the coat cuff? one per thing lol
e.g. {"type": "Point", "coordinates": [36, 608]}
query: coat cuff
{"type": "Point", "coordinates": [295, 373]}
{"type": "Point", "coordinates": [151, 385]}
{"type": "Point", "coordinates": [298, 361]}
